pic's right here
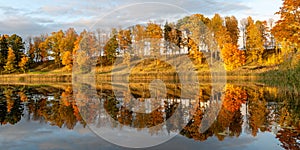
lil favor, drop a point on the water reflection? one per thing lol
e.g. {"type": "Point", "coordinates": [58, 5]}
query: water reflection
{"type": "Point", "coordinates": [250, 109]}
{"type": "Point", "coordinates": [39, 103]}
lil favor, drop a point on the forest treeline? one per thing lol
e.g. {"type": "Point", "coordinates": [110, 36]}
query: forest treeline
{"type": "Point", "coordinates": [265, 43]}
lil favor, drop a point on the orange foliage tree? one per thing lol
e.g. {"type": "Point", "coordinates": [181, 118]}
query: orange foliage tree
{"type": "Point", "coordinates": [232, 56]}
{"type": "Point", "coordinates": [287, 28]}
{"type": "Point", "coordinates": [23, 63]}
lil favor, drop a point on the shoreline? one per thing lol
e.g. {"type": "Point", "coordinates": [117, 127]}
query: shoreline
{"type": "Point", "coordinates": [67, 78]}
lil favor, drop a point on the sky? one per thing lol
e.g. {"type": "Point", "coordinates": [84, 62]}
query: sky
{"type": "Point", "coordinates": [35, 135]}
{"type": "Point", "coordinates": [35, 17]}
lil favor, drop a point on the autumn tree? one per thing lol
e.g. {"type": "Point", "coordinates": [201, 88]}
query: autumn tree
{"type": "Point", "coordinates": [66, 47]}
{"type": "Point", "coordinates": [196, 28]}
{"type": "Point", "coordinates": [287, 28]}
{"type": "Point", "coordinates": [125, 44]}
{"type": "Point", "coordinates": [254, 42]}
{"type": "Point", "coordinates": [232, 28]}
{"type": "Point", "coordinates": [53, 43]}
{"type": "Point", "coordinates": [232, 56]}
{"type": "Point", "coordinates": [43, 51]}
{"type": "Point", "coordinates": [198, 35]}
{"type": "Point", "coordinates": [263, 30]}
{"type": "Point", "coordinates": [194, 53]}
{"type": "Point", "coordinates": [220, 34]}
{"type": "Point", "coordinates": [39, 51]}
{"type": "Point", "coordinates": [23, 63]}
{"type": "Point", "coordinates": [67, 60]}
{"type": "Point", "coordinates": [139, 36]}
{"type": "Point", "coordinates": [124, 38]}
{"type": "Point", "coordinates": [9, 67]}
{"type": "Point", "coordinates": [154, 34]}
{"type": "Point", "coordinates": [84, 51]}
{"type": "Point", "coordinates": [176, 39]}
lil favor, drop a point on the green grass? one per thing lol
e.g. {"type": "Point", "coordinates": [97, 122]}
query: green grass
{"type": "Point", "coordinates": [287, 76]}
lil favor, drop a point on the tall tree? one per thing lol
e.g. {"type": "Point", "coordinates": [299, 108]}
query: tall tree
{"type": "Point", "coordinates": [54, 45]}
{"type": "Point", "coordinates": [221, 34]}
{"type": "Point", "coordinates": [173, 37]}
{"type": "Point", "coordinates": [41, 48]}
{"type": "Point", "coordinates": [3, 50]}
{"type": "Point", "coordinates": [17, 45]}
{"type": "Point", "coordinates": [254, 42]}
{"type": "Point", "coordinates": [263, 29]}
{"type": "Point", "coordinates": [154, 34]}
{"type": "Point", "coordinates": [66, 47]}
{"type": "Point", "coordinates": [125, 41]}
{"type": "Point", "coordinates": [232, 28]}
{"type": "Point", "coordinates": [167, 38]}
{"type": "Point", "coordinates": [139, 37]}
{"type": "Point", "coordinates": [196, 28]}
{"type": "Point", "coordinates": [110, 48]}
{"type": "Point", "coordinates": [30, 51]}
{"type": "Point", "coordinates": [85, 50]}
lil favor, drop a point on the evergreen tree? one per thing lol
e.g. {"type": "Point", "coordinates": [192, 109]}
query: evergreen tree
{"type": "Point", "coordinates": [17, 45]}
{"type": "Point", "coordinates": [3, 51]}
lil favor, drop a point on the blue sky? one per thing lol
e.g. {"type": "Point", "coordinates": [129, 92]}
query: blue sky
{"type": "Point", "coordinates": [34, 17]}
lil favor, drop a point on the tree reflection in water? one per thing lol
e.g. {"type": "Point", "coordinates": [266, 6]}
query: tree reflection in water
{"type": "Point", "coordinates": [249, 109]}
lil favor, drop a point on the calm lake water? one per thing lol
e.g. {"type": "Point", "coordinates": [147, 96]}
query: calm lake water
{"type": "Point", "coordinates": [238, 116]}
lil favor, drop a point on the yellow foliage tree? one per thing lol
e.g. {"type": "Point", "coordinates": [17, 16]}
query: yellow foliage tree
{"type": "Point", "coordinates": [10, 61]}
{"type": "Point", "coordinates": [194, 51]}
{"type": "Point", "coordinates": [254, 41]}
{"type": "Point", "coordinates": [23, 62]}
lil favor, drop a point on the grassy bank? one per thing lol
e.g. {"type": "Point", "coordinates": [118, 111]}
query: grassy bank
{"type": "Point", "coordinates": [284, 78]}
{"type": "Point", "coordinates": [287, 74]}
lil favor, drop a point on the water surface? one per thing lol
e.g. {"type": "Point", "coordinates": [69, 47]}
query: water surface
{"type": "Point", "coordinates": [250, 116]}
